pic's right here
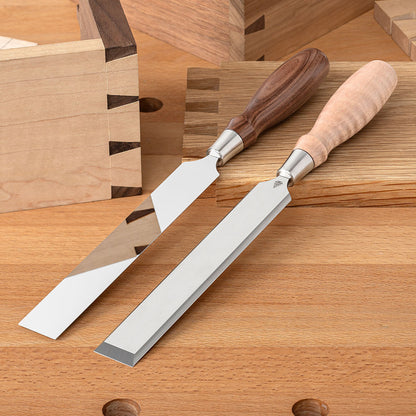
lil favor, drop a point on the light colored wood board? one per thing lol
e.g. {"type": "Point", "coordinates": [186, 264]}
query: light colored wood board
{"type": "Point", "coordinates": [332, 319]}
{"type": "Point", "coordinates": [200, 28]}
{"type": "Point", "coordinates": [403, 32]}
{"type": "Point", "coordinates": [361, 380]}
{"type": "Point", "coordinates": [216, 31]}
{"type": "Point", "coordinates": [388, 11]}
{"type": "Point", "coordinates": [124, 168]}
{"type": "Point", "coordinates": [355, 173]}
{"type": "Point", "coordinates": [289, 24]}
{"type": "Point", "coordinates": [10, 43]}
{"type": "Point", "coordinates": [61, 93]}
{"type": "Point", "coordinates": [363, 30]}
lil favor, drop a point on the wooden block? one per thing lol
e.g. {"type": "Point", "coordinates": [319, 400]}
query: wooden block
{"type": "Point", "coordinates": [413, 50]}
{"type": "Point", "coordinates": [224, 30]}
{"type": "Point", "coordinates": [69, 116]}
{"type": "Point", "coordinates": [355, 173]}
{"type": "Point", "coordinates": [388, 11]}
{"type": "Point", "coordinates": [9, 43]}
{"type": "Point", "coordinates": [403, 33]}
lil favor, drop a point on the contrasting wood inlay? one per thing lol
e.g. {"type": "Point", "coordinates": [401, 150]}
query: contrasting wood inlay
{"type": "Point", "coordinates": [57, 135]}
{"type": "Point", "coordinates": [135, 215]}
{"type": "Point", "coordinates": [353, 175]}
{"type": "Point", "coordinates": [233, 30]}
{"type": "Point", "coordinates": [107, 19]}
{"type": "Point", "coordinates": [119, 147]}
{"type": "Point", "coordinates": [114, 101]}
{"type": "Point", "coordinates": [257, 25]}
{"type": "Point", "coordinates": [122, 191]}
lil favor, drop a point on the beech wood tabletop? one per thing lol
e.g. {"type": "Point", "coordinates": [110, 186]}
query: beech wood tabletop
{"type": "Point", "coordinates": [321, 305]}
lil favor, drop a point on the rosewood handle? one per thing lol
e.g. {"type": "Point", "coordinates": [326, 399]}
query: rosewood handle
{"type": "Point", "coordinates": [283, 92]}
{"type": "Point", "coordinates": [352, 106]}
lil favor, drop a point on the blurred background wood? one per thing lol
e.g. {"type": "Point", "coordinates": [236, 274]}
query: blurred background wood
{"type": "Point", "coordinates": [321, 305]}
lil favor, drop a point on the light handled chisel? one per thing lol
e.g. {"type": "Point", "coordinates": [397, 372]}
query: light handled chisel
{"type": "Point", "coordinates": [352, 106]}
{"type": "Point", "coordinates": [284, 92]}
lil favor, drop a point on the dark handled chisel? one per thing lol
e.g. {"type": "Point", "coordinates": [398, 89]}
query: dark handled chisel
{"type": "Point", "coordinates": [285, 91]}
{"type": "Point", "coordinates": [352, 106]}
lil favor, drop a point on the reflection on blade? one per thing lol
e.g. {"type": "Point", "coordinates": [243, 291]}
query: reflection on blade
{"type": "Point", "coordinates": [103, 265]}
{"type": "Point", "coordinates": [182, 287]}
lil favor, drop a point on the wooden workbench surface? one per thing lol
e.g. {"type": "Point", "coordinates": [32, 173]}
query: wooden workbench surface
{"type": "Point", "coordinates": [320, 305]}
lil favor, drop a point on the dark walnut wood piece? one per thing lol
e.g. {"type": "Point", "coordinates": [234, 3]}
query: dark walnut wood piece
{"type": "Point", "coordinates": [310, 407]}
{"type": "Point", "coordinates": [284, 92]}
{"type": "Point", "coordinates": [106, 19]}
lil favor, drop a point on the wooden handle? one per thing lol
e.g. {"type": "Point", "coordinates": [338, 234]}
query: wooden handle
{"type": "Point", "coordinates": [352, 106]}
{"type": "Point", "coordinates": [286, 90]}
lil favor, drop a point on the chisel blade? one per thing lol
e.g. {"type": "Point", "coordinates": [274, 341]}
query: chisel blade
{"type": "Point", "coordinates": [185, 284]}
{"type": "Point", "coordinates": [101, 267]}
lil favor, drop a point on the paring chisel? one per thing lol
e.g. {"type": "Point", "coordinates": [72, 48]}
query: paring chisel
{"type": "Point", "coordinates": [351, 107]}
{"type": "Point", "coordinates": [284, 92]}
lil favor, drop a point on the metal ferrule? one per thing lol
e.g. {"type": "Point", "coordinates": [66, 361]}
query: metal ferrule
{"type": "Point", "coordinates": [297, 165]}
{"type": "Point", "coordinates": [226, 146]}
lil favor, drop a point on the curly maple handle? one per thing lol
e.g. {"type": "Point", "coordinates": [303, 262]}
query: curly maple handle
{"type": "Point", "coordinates": [352, 106]}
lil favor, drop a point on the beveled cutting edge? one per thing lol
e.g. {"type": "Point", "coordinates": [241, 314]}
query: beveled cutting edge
{"type": "Point", "coordinates": [286, 90]}
{"type": "Point", "coordinates": [352, 106]}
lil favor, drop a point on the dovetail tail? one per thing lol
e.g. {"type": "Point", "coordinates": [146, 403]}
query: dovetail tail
{"type": "Point", "coordinates": [202, 107]}
{"type": "Point", "coordinates": [114, 101]}
{"type": "Point", "coordinates": [119, 147]}
{"type": "Point", "coordinates": [139, 249]}
{"type": "Point", "coordinates": [211, 84]}
{"type": "Point", "coordinates": [256, 26]}
{"type": "Point", "coordinates": [207, 129]}
{"type": "Point", "coordinates": [135, 215]}
{"type": "Point", "coordinates": [122, 191]}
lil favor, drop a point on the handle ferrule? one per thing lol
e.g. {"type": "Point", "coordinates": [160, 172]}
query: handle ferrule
{"type": "Point", "coordinates": [297, 165]}
{"type": "Point", "coordinates": [226, 146]}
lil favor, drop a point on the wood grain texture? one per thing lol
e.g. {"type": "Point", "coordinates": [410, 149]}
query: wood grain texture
{"type": "Point", "coordinates": [55, 125]}
{"type": "Point", "coordinates": [224, 30]}
{"type": "Point", "coordinates": [310, 407]}
{"type": "Point", "coordinates": [10, 43]}
{"type": "Point", "coordinates": [342, 332]}
{"type": "Point", "coordinates": [388, 11]}
{"type": "Point", "coordinates": [281, 94]}
{"type": "Point", "coordinates": [354, 175]}
{"type": "Point", "coordinates": [105, 19]}
{"type": "Point", "coordinates": [332, 319]}
{"type": "Point", "coordinates": [398, 18]}
{"type": "Point", "coordinates": [290, 24]}
{"type": "Point", "coordinates": [356, 102]}
{"type": "Point", "coordinates": [403, 33]}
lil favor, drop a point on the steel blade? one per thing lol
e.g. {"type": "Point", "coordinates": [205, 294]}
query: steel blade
{"type": "Point", "coordinates": [130, 341]}
{"type": "Point", "coordinates": [101, 267]}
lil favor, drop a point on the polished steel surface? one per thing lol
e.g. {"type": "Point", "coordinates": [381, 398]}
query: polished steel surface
{"type": "Point", "coordinates": [65, 303]}
{"type": "Point", "coordinates": [185, 284]}
{"type": "Point", "coordinates": [297, 166]}
{"type": "Point", "coordinates": [226, 146]}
